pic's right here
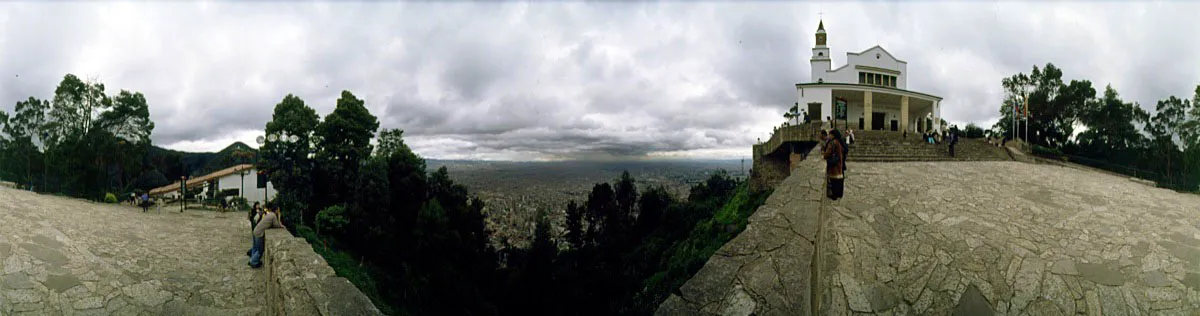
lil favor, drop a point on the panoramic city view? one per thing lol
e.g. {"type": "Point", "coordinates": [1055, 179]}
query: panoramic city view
{"type": "Point", "coordinates": [599, 158]}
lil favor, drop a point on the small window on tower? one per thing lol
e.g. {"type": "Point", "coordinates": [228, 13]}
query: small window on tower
{"type": "Point", "coordinates": [821, 54]}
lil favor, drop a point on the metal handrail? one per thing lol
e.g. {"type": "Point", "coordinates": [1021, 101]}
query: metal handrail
{"type": "Point", "coordinates": [1121, 169]}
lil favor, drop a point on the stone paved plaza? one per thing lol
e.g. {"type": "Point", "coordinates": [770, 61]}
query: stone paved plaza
{"type": "Point", "coordinates": [65, 256]}
{"type": "Point", "coordinates": [940, 238]}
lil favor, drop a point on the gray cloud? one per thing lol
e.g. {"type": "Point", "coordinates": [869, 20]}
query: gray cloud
{"type": "Point", "coordinates": [568, 80]}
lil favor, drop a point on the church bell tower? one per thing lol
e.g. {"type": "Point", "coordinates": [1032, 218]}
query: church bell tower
{"type": "Point", "coordinates": [820, 61]}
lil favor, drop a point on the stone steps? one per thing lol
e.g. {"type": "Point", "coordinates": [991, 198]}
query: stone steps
{"type": "Point", "coordinates": [885, 146]}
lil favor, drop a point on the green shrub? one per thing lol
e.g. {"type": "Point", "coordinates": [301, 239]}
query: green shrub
{"type": "Point", "coordinates": [1047, 151]}
{"type": "Point", "coordinates": [331, 220]}
{"type": "Point", "coordinates": [110, 198]}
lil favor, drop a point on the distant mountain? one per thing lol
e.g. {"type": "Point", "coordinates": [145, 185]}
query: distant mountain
{"type": "Point", "coordinates": [174, 164]}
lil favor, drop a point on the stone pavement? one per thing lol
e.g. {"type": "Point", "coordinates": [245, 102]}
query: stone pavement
{"type": "Point", "coordinates": [963, 238]}
{"type": "Point", "coordinates": [65, 256]}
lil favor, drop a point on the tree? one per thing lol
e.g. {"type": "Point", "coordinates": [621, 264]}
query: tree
{"type": "Point", "coordinates": [390, 141]}
{"type": "Point", "coordinates": [973, 131]}
{"type": "Point", "coordinates": [574, 225]}
{"type": "Point", "coordinates": [129, 118]}
{"type": "Point", "coordinates": [600, 208]}
{"type": "Point", "coordinates": [76, 104]}
{"type": "Point", "coordinates": [24, 129]}
{"type": "Point", "coordinates": [653, 203]}
{"type": "Point", "coordinates": [1164, 128]}
{"type": "Point", "coordinates": [408, 184]}
{"type": "Point", "coordinates": [4, 146]}
{"type": "Point", "coordinates": [626, 199]}
{"type": "Point", "coordinates": [1051, 106]}
{"type": "Point", "coordinates": [343, 141]}
{"type": "Point", "coordinates": [370, 214]}
{"type": "Point", "coordinates": [1110, 130]}
{"type": "Point", "coordinates": [332, 220]}
{"type": "Point", "coordinates": [130, 126]}
{"type": "Point", "coordinates": [538, 269]}
{"type": "Point", "coordinates": [288, 164]}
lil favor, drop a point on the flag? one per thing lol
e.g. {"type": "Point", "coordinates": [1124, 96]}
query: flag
{"type": "Point", "coordinates": [1026, 108]}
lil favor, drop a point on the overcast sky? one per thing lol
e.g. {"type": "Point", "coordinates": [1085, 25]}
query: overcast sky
{"type": "Point", "coordinates": [569, 80]}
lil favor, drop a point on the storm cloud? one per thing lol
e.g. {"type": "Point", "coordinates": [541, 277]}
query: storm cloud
{"type": "Point", "coordinates": [521, 81]}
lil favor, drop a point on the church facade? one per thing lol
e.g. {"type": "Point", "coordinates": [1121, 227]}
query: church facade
{"type": "Point", "coordinates": [871, 88]}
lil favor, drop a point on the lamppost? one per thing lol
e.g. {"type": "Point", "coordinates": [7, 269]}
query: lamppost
{"type": "Point", "coordinates": [182, 192]}
{"type": "Point", "coordinates": [272, 138]}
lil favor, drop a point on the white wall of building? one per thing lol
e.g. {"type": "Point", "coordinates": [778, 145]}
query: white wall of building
{"type": "Point", "coordinates": [848, 73]}
{"type": "Point", "coordinates": [868, 58]}
{"type": "Point", "coordinates": [253, 193]}
{"type": "Point", "coordinates": [821, 95]}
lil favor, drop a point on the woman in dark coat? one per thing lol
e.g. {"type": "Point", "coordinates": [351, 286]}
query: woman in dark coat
{"type": "Point", "coordinates": [835, 164]}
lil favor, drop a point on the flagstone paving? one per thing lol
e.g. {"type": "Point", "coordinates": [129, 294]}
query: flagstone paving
{"type": "Point", "coordinates": [65, 256]}
{"type": "Point", "coordinates": [963, 238]}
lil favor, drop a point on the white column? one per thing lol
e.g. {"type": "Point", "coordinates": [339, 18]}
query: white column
{"type": "Point", "coordinates": [868, 104]}
{"type": "Point", "coordinates": [937, 116]}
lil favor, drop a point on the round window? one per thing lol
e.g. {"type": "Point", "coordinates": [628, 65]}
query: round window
{"type": "Point", "coordinates": [876, 55]}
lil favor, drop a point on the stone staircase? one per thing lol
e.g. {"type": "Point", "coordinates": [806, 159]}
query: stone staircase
{"type": "Point", "coordinates": [887, 146]}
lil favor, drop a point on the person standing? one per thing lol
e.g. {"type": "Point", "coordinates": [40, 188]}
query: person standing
{"type": "Point", "coordinates": [952, 140]}
{"type": "Point", "coordinates": [824, 140]}
{"type": "Point", "coordinates": [835, 162]}
{"type": "Point", "coordinates": [270, 219]}
{"type": "Point", "coordinates": [253, 216]}
{"type": "Point", "coordinates": [145, 203]}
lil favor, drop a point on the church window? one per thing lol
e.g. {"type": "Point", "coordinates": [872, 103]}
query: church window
{"type": "Point", "coordinates": [876, 55]}
{"type": "Point", "coordinates": [820, 54]}
{"type": "Point", "coordinates": [862, 77]}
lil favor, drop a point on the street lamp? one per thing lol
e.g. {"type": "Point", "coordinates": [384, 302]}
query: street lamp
{"type": "Point", "coordinates": [272, 138]}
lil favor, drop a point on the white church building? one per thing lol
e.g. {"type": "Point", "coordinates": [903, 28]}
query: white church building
{"type": "Point", "coordinates": [873, 87]}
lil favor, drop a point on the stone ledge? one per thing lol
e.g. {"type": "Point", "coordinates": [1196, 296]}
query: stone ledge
{"type": "Point", "coordinates": [767, 268]}
{"type": "Point", "coordinates": [300, 282]}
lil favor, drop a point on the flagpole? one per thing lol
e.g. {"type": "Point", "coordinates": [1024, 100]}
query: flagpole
{"type": "Point", "coordinates": [1027, 121]}
{"type": "Point", "coordinates": [1014, 120]}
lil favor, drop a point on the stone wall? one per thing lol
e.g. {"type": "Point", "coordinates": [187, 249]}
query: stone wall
{"type": "Point", "coordinates": [768, 269]}
{"type": "Point", "coordinates": [770, 169]}
{"type": "Point", "coordinates": [299, 282]}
